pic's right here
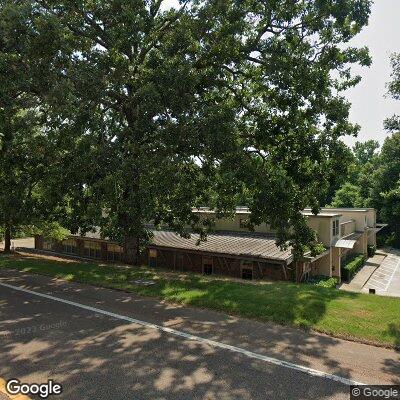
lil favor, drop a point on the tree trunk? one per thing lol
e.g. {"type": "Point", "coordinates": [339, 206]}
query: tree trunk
{"type": "Point", "coordinates": [7, 239]}
{"type": "Point", "coordinates": [132, 250]}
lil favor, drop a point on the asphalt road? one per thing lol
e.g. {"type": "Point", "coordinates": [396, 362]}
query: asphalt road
{"type": "Point", "coordinates": [97, 356]}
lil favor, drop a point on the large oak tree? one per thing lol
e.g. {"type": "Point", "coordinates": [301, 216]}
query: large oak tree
{"type": "Point", "coordinates": [161, 110]}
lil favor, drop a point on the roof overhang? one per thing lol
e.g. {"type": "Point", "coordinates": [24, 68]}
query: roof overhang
{"type": "Point", "coordinates": [225, 244]}
{"type": "Point", "coordinates": [376, 228]}
{"type": "Point", "coordinates": [242, 256]}
{"type": "Point", "coordinates": [349, 241]}
{"type": "Point", "coordinates": [345, 244]}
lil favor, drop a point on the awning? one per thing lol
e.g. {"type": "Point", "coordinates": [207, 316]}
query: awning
{"type": "Point", "coordinates": [376, 228]}
{"type": "Point", "coordinates": [345, 244]}
{"type": "Point", "coordinates": [349, 241]}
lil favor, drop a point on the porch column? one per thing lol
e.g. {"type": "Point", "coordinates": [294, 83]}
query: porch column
{"type": "Point", "coordinates": [336, 253]}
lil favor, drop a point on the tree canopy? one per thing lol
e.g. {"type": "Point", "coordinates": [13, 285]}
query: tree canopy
{"type": "Point", "coordinates": [392, 124]}
{"type": "Point", "coordinates": [27, 152]}
{"type": "Point", "coordinates": [161, 110]}
{"type": "Point", "coordinates": [374, 175]}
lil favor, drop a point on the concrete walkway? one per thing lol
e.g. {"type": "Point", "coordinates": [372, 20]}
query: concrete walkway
{"type": "Point", "coordinates": [386, 279]}
{"type": "Point", "coordinates": [364, 274]}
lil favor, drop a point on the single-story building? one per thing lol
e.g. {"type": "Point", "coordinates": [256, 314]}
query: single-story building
{"type": "Point", "coordinates": [234, 251]}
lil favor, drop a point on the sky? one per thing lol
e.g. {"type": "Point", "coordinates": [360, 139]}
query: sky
{"type": "Point", "coordinates": [370, 105]}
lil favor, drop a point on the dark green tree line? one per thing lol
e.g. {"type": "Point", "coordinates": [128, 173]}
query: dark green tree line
{"type": "Point", "coordinates": [374, 175]}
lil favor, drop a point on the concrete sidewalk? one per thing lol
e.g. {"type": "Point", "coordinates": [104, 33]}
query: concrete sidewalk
{"type": "Point", "coordinates": [386, 278]}
{"type": "Point", "coordinates": [364, 274]}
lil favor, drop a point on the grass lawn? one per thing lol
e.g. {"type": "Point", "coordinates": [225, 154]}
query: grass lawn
{"type": "Point", "coordinates": [351, 315]}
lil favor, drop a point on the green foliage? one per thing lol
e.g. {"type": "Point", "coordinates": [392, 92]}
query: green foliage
{"type": "Point", "coordinates": [371, 249]}
{"type": "Point", "coordinates": [315, 248]}
{"type": "Point", "coordinates": [393, 123]}
{"type": "Point", "coordinates": [324, 281]}
{"type": "Point", "coordinates": [51, 230]}
{"type": "Point", "coordinates": [374, 178]}
{"type": "Point", "coordinates": [27, 150]}
{"type": "Point", "coordinates": [349, 269]}
{"type": "Point", "coordinates": [386, 190]}
{"type": "Point", "coordinates": [156, 111]}
{"type": "Point", "coordinates": [356, 192]}
{"type": "Point", "coordinates": [365, 152]}
{"type": "Point", "coordinates": [165, 147]}
{"type": "Point", "coordinates": [355, 315]}
{"type": "Point", "coordinates": [348, 196]}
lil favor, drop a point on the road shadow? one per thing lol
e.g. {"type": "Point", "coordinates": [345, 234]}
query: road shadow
{"type": "Point", "coordinates": [95, 357]}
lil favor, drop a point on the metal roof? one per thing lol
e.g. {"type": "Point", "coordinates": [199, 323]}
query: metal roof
{"type": "Point", "coordinates": [349, 241]}
{"type": "Point", "coordinates": [245, 245]}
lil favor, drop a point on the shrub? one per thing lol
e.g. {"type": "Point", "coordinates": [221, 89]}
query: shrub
{"type": "Point", "coordinates": [314, 249]}
{"type": "Point", "coordinates": [371, 250]}
{"type": "Point", "coordinates": [328, 283]}
{"type": "Point", "coordinates": [323, 281]}
{"type": "Point", "coordinates": [351, 267]}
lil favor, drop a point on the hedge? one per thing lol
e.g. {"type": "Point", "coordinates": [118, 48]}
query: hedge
{"type": "Point", "coordinates": [349, 269]}
{"type": "Point", "coordinates": [371, 249]}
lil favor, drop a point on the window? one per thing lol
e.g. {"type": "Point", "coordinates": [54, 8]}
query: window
{"type": "Point", "coordinates": [247, 270]}
{"type": "Point", "coordinates": [69, 246]}
{"type": "Point", "coordinates": [335, 227]}
{"type": "Point", "coordinates": [207, 265]}
{"type": "Point", "coordinates": [207, 269]}
{"type": "Point", "coordinates": [49, 244]}
{"type": "Point", "coordinates": [247, 273]}
{"type": "Point", "coordinates": [152, 258]}
{"type": "Point", "coordinates": [92, 249]}
{"type": "Point", "coordinates": [114, 252]}
{"type": "Point", "coordinates": [243, 223]}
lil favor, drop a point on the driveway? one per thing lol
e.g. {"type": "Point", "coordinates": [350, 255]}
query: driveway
{"type": "Point", "coordinates": [386, 278]}
{"type": "Point", "coordinates": [106, 344]}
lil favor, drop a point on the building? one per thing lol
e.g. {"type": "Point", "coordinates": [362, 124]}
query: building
{"type": "Point", "coordinates": [232, 250]}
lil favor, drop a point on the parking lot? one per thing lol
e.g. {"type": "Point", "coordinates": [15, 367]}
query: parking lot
{"type": "Point", "coordinates": [386, 279]}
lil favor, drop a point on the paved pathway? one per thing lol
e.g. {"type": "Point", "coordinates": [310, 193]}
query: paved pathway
{"type": "Point", "coordinates": [362, 276]}
{"type": "Point", "coordinates": [386, 279]}
{"type": "Point", "coordinates": [99, 356]}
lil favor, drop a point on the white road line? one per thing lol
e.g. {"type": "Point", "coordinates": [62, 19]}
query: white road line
{"type": "Point", "coordinates": [250, 354]}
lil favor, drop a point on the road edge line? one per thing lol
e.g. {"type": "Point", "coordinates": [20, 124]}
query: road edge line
{"type": "Point", "coordinates": [213, 343]}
